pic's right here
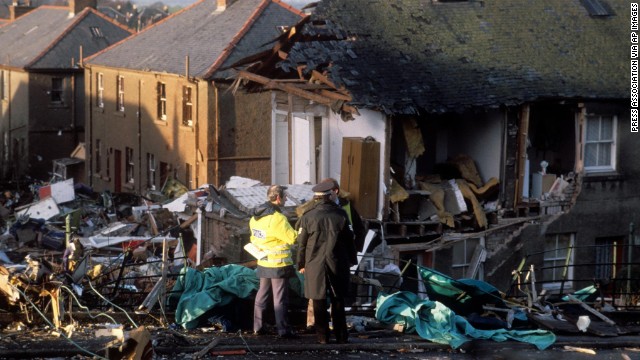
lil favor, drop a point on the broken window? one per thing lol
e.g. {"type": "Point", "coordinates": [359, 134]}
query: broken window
{"type": "Point", "coordinates": [151, 171]}
{"type": "Point", "coordinates": [100, 90]}
{"type": "Point", "coordinates": [187, 106]}
{"type": "Point", "coordinates": [120, 97]}
{"type": "Point", "coordinates": [98, 156]}
{"type": "Point", "coordinates": [558, 259]}
{"type": "Point", "coordinates": [57, 90]}
{"type": "Point", "coordinates": [599, 144]}
{"type": "Point", "coordinates": [130, 164]}
{"type": "Point", "coordinates": [461, 256]}
{"type": "Point", "coordinates": [162, 101]}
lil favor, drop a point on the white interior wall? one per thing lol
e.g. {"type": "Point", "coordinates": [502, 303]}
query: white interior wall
{"type": "Point", "coordinates": [479, 137]}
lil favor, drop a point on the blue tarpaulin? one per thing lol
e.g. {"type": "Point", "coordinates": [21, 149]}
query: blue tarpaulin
{"type": "Point", "coordinates": [435, 322]}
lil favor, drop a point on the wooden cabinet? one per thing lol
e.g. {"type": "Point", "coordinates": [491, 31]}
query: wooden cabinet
{"type": "Point", "coordinates": [359, 174]}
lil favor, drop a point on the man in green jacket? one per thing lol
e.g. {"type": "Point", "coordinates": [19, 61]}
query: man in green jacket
{"type": "Point", "coordinates": [272, 233]}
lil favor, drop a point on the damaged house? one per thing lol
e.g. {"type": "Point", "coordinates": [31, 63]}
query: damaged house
{"type": "Point", "coordinates": [158, 104]}
{"type": "Point", "coordinates": [477, 138]}
{"type": "Point", "coordinates": [42, 87]}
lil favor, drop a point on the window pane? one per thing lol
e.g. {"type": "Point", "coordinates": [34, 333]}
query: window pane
{"type": "Point", "coordinates": [458, 257]}
{"type": "Point", "coordinates": [604, 154]}
{"type": "Point", "coordinates": [548, 271]}
{"type": "Point", "coordinates": [606, 132]}
{"type": "Point", "coordinates": [593, 129]}
{"type": "Point", "coordinates": [590, 154]}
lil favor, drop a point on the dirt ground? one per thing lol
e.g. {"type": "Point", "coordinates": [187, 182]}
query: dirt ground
{"type": "Point", "coordinates": [44, 343]}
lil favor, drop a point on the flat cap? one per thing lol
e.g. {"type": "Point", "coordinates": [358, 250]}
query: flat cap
{"type": "Point", "coordinates": [322, 188]}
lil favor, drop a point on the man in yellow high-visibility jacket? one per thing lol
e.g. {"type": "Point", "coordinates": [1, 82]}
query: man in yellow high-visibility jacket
{"type": "Point", "coordinates": [272, 233]}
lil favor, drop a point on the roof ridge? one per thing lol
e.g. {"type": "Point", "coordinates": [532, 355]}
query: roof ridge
{"type": "Point", "coordinates": [113, 21]}
{"type": "Point", "coordinates": [76, 20]}
{"type": "Point", "coordinates": [290, 8]}
{"type": "Point", "coordinates": [148, 28]}
{"type": "Point", "coordinates": [243, 30]}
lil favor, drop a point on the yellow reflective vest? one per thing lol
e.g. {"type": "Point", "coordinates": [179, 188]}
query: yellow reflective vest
{"type": "Point", "coordinates": [272, 233]}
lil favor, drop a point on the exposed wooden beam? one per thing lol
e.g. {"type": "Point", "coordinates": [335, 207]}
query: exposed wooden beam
{"type": "Point", "coordinates": [335, 95]}
{"type": "Point", "coordinates": [316, 75]}
{"type": "Point", "coordinates": [288, 88]}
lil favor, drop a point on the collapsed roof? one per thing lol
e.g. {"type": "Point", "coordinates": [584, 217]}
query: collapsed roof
{"type": "Point", "coordinates": [413, 56]}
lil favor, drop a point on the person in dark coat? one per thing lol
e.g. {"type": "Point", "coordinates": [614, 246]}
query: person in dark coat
{"type": "Point", "coordinates": [325, 254]}
{"type": "Point", "coordinates": [359, 232]}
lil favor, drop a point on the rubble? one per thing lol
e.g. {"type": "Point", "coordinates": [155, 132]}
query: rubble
{"type": "Point", "coordinates": [129, 257]}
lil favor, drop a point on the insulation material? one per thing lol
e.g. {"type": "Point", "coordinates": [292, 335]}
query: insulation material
{"type": "Point", "coordinates": [437, 198]}
{"type": "Point", "coordinates": [487, 190]}
{"type": "Point", "coordinates": [413, 137]}
{"type": "Point", "coordinates": [467, 168]}
{"type": "Point", "coordinates": [478, 211]}
{"type": "Point", "coordinates": [454, 201]}
{"type": "Point", "coordinates": [397, 193]}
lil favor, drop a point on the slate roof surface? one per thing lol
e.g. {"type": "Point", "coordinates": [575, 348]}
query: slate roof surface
{"type": "Point", "coordinates": [249, 198]}
{"type": "Point", "coordinates": [49, 38]}
{"type": "Point", "coordinates": [412, 56]}
{"type": "Point", "coordinates": [209, 37]}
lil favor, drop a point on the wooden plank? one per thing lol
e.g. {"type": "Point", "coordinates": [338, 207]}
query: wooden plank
{"type": "Point", "coordinates": [316, 75]}
{"type": "Point", "coordinates": [523, 133]}
{"type": "Point", "coordinates": [591, 310]}
{"type": "Point", "coordinates": [553, 324]}
{"type": "Point", "coordinates": [272, 84]}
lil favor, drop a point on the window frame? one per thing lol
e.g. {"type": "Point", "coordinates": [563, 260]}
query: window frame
{"type": "Point", "coordinates": [130, 165]}
{"type": "Point", "coordinates": [4, 85]}
{"type": "Point", "coordinates": [599, 168]}
{"type": "Point", "coordinates": [162, 100]}
{"type": "Point", "coordinates": [100, 90]}
{"type": "Point", "coordinates": [151, 171]}
{"type": "Point", "coordinates": [556, 283]}
{"type": "Point", "coordinates": [120, 93]}
{"type": "Point", "coordinates": [98, 156]}
{"type": "Point", "coordinates": [56, 92]}
{"type": "Point", "coordinates": [468, 248]}
{"type": "Point", "coordinates": [189, 175]}
{"type": "Point", "coordinates": [187, 106]}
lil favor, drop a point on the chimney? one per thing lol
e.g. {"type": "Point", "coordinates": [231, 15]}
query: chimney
{"type": "Point", "coordinates": [76, 6]}
{"type": "Point", "coordinates": [15, 10]}
{"type": "Point", "coordinates": [222, 4]}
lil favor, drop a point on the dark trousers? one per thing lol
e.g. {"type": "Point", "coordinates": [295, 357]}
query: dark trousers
{"type": "Point", "coordinates": [280, 292]}
{"type": "Point", "coordinates": [338, 317]}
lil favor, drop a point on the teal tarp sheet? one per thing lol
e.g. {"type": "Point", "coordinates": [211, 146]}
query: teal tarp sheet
{"type": "Point", "coordinates": [435, 322]}
{"type": "Point", "coordinates": [463, 296]}
{"type": "Point", "coordinates": [200, 292]}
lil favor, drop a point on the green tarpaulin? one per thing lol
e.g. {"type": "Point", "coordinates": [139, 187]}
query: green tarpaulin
{"type": "Point", "coordinates": [201, 291]}
{"type": "Point", "coordinates": [435, 322]}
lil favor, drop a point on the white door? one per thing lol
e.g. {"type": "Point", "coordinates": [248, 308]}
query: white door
{"type": "Point", "coordinates": [303, 156]}
{"type": "Point", "coordinates": [280, 149]}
